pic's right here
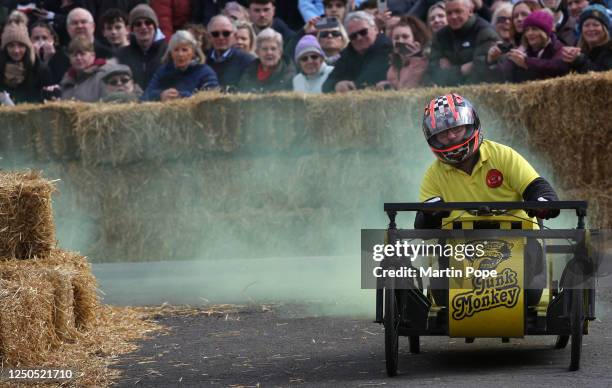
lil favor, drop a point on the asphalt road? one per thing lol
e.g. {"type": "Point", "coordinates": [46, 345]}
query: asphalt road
{"type": "Point", "coordinates": [286, 346]}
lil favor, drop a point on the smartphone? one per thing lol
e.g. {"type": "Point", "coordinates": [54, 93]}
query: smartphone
{"type": "Point", "coordinates": [382, 6]}
{"type": "Point", "coordinates": [327, 23]}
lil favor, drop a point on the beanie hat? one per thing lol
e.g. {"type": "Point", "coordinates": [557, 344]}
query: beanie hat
{"type": "Point", "coordinates": [18, 33]}
{"type": "Point", "coordinates": [539, 19]}
{"type": "Point", "coordinates": [142, 11]}
{"type": "Point", "coordinates": [597, 12]}
{"type": "Point", "coordinates": [308, 44]}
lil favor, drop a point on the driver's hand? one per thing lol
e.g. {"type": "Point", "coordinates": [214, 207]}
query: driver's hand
{"type": "Point", "coordinates": [544, 214]}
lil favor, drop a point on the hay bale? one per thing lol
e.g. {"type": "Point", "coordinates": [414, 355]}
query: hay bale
{"type": "Point", "coordinates": [26, 217]}
{"type": "Point", "coordinates": [42, 303]}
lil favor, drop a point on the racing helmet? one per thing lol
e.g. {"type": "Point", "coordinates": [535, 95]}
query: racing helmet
{"type": "Point", "coordinates": [446, 112]}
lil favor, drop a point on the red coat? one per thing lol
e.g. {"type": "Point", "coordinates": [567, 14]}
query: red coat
{"type": "Point", "coordinates": [172, 14]}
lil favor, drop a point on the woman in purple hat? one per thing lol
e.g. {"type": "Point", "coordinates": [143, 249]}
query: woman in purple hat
{"type": "Point", "coordinates": [540, 54]}
{"type": "Point", "coordinates": [310, 60]}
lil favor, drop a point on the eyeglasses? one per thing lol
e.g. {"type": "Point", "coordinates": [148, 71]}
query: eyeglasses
{"type": "Point", "coordinates": [356, 34]}
{"type": "Point", "coordinates": [312, 57]}
{"type": "Point", "coordinates": [216, 34]}
{"type": "Point", "coordinates": [141, 23]}
{"type": "Point", "coordinates": [118, 81]}
{"type": "Point", "coordinates": [502, 19]}
{"type": "Point", "coordinates": [327, 34]}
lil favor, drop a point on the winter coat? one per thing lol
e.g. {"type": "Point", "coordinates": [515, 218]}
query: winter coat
{"type": "Point", "coordinates": [30, 90]}
{"type": "Point", "coordinates": [470, 43]}
{"type": "Point", "coordinates": [281, 79]}
{"type": "Point", "coordinates": [547, 63]}
{"type": "Point", "coordinates": [598, 59]}
{"type": "Point", "coordinates": [143, 65]}
{"type": "Point", "coordinates": [172, 14]}
{"type": "Point", "coordinates": [85, 85]}
{"type": "Point", "coordinates": [196, 77]}
{"type": "Point", "coordinates": [229, 69]}
{"type": "Point", "coordinates": [312, 83]}
{"type": "Point", "coordinates": [410, 75]}
{"type": "Point", "coordinates": [365, 69]}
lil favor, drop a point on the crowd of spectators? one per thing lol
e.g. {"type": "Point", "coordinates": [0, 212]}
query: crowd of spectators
{"type": "Point", "coordinates": [160, 50]}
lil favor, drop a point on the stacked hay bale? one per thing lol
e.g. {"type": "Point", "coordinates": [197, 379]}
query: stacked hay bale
{"type": "Point", "coordinates": [46, 295]}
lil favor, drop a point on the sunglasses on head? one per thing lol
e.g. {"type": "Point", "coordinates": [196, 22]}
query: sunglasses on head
{"type": "Point", "coordinates": [312, 57]}
{"type": "Point", "coordinates": [141, 23]}
{"type": "Point", "coordinates": [216, 34]}
{"type": "Point", "coordinates": [118, 81]}
{"type": "Point", "coordinates": [327, 34]}
{"type": "Point", "coordinates": [356, 34]}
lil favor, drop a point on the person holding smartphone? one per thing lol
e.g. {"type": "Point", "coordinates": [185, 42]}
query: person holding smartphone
{"type": "Point", "coordinates": [411, 38]}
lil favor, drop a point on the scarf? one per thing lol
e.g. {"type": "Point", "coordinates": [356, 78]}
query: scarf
{"type": "Point", "coordinates": [14, 74]}
{"type": "Point", "coordinates": [72, 72]}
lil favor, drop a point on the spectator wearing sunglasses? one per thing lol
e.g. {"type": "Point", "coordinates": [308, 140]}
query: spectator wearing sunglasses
{"type": "Point", "coordinates": [332, 41]}
{"type": "Point", "coordinates": [228, 62]}
{"type": "Point", "coordinates": [310, 60]}
{"type": "Point", "coordinates": [502, 21]}
{"type": "Point", "coordinates": [144, 53]}
{"type": "Point", "coordinates": [118, 84]}
{"type": "Point", "coordinates": [365, 61]}
{"type": "Point", "coordinates": [183, 73]}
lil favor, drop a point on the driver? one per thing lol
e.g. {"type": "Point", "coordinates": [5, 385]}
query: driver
{"type": "Point", "coordinates": [470, 169]}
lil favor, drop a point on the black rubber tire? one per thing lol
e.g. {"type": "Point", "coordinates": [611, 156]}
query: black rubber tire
{"type": "Point", "coordinates": [577, 326]}
{"type": "Point", "coordinates": [561, 341]}
{"type": "Point", "coordinates": [415, 344]}
{"type": "Point", "coordinates": [391, 322]}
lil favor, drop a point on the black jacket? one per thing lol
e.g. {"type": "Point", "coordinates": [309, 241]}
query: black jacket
{"type": "Point", "coordinates": [230, 69]}
{"type": "Point", "coordinates": [468, 44]}
{"type": "Point", "coordinates": [598, 59]}
{"type": "Point", "coordinates": [143, 65]}
{"type": "Point", "coordinates": [30, 90]}
{"type": "Point", "coordinates": [364, 70]}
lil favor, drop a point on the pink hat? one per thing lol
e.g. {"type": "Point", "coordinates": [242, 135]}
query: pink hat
{"type": "Point", "coordinates": [539, 19]}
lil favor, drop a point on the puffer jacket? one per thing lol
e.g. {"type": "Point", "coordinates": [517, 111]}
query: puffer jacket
{"type": "Point", "coordinates": [194, 78]}
{"type": "Point", "coordinates": [172, 14]}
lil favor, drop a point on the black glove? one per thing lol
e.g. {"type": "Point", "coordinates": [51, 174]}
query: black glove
{"type": "Point", "coordinates": [544, 214]}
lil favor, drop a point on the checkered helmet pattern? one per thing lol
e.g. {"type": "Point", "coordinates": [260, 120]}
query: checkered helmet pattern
{"type": "Point", "coordinates": [446, 112]}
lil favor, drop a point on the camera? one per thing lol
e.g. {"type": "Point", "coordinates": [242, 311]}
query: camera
{"type": "Point", "coordinates": [326, 23]}
{"type": "Point", "coordinates": [504, 47]}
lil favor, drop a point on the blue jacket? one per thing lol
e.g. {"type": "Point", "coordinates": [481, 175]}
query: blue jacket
{"type": "Point", "coordinates": [189, 81]}
{"type": "Point", "coordinates": [229, 68]}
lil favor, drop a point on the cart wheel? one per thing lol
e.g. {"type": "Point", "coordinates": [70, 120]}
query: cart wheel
{"type": "Point", "coordinates": [561, 341]}
{"type": "Point", "coordinates": [391, 322]}
{"type": "Point", "coordinates": [577, 324]}
{"type": "Point", "coordinates": [415, 344]}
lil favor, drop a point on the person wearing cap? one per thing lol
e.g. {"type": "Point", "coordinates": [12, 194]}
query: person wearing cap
{"type": "Point", "coordinates": [83, 80]}
{"type": "Point", "coordinates": [22, 75]}
{"type": "Point", "coordinates": [183, 72]}
{"type": "Point", "coordinates": [118, 85]}
{"type": "Point", "coordinates": [541, 57]}
{"type": "Point", "coordinates": [268, 73]}
{"type": "Point", "coordinates": [310, 60]}
{"type": "Point", "coordinates": [365, 61]}
{"type": "Point", "coordinates": [228, 62]}
{"type": "Point", "coordinates": [594, 51]}
{"type": "Point", "coordinates": [469, 168]}
{"type": "Point", "coordinates": [144, 53]}
{"type": "Point", "coordinates": [80, 22]}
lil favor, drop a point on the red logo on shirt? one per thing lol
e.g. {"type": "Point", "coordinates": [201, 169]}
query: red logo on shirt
{"type": "Point", "coordinates": [494, 178]}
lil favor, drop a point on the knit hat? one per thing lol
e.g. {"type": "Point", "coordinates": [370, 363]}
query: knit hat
{"type": "Point", "coordinates": [597, 12]}
{"type": "Point", "coordinates": [308, 44]}
{"type": "Point", "coordinates": [540, 19]}
{"type": "Point", "coordinates": [142, 11]}
{"type": "Point", "coordinates": [18, 33]}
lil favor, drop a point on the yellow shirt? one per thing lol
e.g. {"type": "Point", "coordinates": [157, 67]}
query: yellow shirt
{"type": "Point", "coordinates": [501, 174]}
